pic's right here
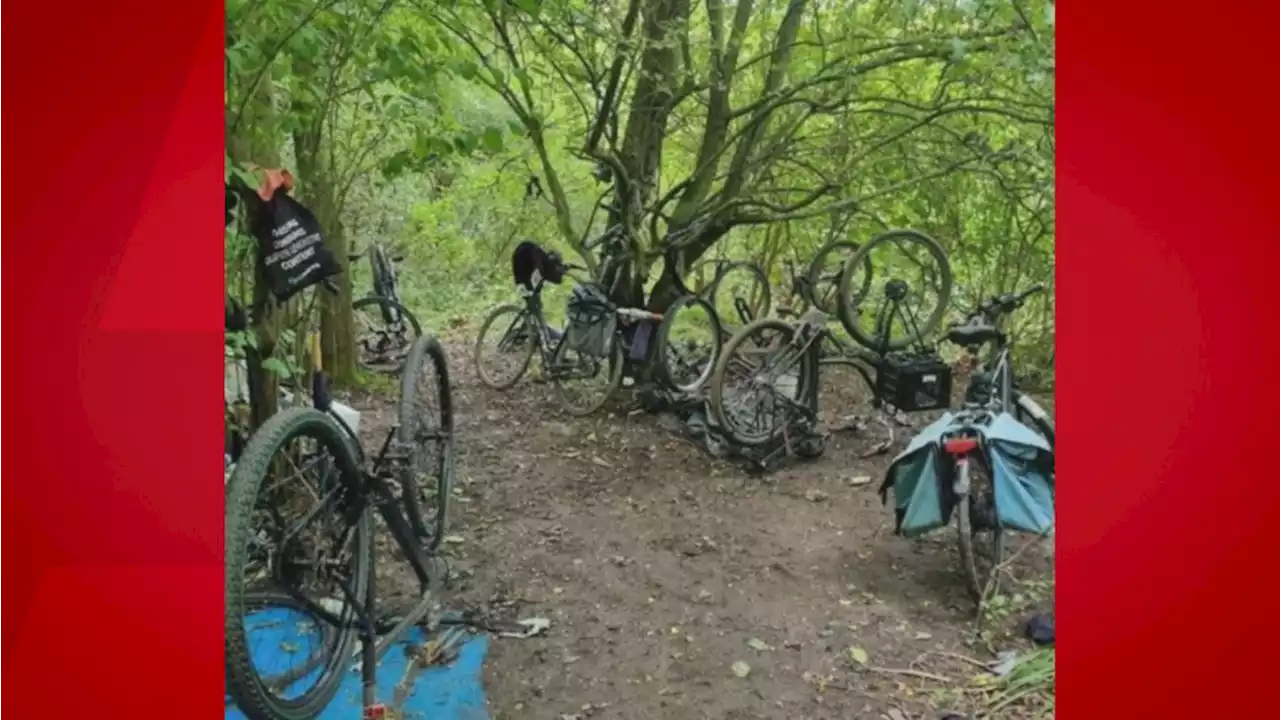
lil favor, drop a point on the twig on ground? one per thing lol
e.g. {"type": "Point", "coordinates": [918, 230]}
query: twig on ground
{"type": "Point", "coordinates": [913, 673]}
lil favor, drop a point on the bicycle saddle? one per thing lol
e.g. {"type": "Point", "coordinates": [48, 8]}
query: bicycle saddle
{"type": "Point", "coordinates": [971, 334]}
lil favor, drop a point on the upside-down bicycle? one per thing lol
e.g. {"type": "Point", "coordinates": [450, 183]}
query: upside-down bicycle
{"type": "Point", "coordinates": [299, 534]}
{"type": "Point", "coordinates": [386, 328]}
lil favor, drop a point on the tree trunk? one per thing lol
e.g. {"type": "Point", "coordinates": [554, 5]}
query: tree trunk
{"type": "Point", "coordinates": [253, 142]}
{"type": "Point", "coordinates": [337, 320]}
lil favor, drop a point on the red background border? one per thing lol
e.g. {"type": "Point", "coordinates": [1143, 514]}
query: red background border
{"type": "Point", "coordinates": [1167, 260]}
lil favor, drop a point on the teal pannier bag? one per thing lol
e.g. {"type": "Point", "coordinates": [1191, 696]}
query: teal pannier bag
{"type": "Point", "coordinates": [1021, 463]}
{"type": "Point", "coordinates": [921, 501]}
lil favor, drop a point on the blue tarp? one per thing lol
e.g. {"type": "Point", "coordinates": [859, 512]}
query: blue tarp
{"type": "Point", "coordinates": [451, 692]}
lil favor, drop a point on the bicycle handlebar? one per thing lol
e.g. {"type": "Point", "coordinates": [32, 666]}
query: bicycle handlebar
{"type": "Point", "coordinates": [1007, 303]}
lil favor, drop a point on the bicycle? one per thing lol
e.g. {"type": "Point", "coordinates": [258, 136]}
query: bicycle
{"type": "Point", "coordinates": [566, 358]}
{"type": "Point", "coordinates": [816, 287]}
{"type": "Point", "coordinates": [288, 566]}
{"type": "Point", "coordinates": [384, 348]}
{"type": "Point", "coordinates": [730, 277]}
{"type": "Point", "coordinates": [785, 369]}
{"type": "Point", "coordinates": [969, 440]}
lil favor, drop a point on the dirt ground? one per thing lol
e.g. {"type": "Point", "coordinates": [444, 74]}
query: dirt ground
{"type": "Point", "coordinates": [660, 568]}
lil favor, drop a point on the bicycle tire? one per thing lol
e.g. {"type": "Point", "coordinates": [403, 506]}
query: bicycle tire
{"type": "Point", "coordinates": [976, 581]}
{"type": "Point", "coordinates": [814, 271]}
{"type": "Point", "coordinates": [847, 305]}
{"type": "Point", "coordinates": [766, 298]}
{"type": "Point", "coordinates": [277, 599]}
{"type": "Point", "coordinates": [666, 372]}
{"type": "Point", "coordinates": [426, 348]}
{"type": "Point", "coordinates": [489, 320]}
{"type": "Point", "coordinates": [717, 397]}
{"type": "Point", "coordinates": [244, 685]}
{"type": "Point", "coordinates": [614, 365]}
{"type": "Point", "coordinates": [388, 310]}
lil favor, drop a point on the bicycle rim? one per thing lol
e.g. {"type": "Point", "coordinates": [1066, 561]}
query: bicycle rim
{"type": "Point", "coordinates": [824, 288]}
{"type": "Point", "coordinates": [850, 306]}
{"type": "Point", "coordinates": [767, 370]}
{"type": "Point", "coordinates": [688, 344]}
{"type": "Point", "coordinates": [572, 372]}
{"type": "Point", "coordinates": [740, 284]}
{"type": "Point", "coordinates": [511, 335]}
{"type": "Point", "coordinates": [426, 430]}
{"type": "Point", "coordinates": [384, 335]}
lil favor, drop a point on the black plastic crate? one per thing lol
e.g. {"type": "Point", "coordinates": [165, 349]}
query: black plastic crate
{"type": "Point", "coordinates": [913, 383]}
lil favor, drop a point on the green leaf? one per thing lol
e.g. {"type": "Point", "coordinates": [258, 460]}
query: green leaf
{"type": "Point", "coordinates": [522, 77]}
{"type": "Point", "coordinates": [958, 49]}
{"type": "Point", "coordinates": [530, 6]}
{"type": "Point", "coordinates": [465, 143]}
{"type": "Point", "coordinates": [493, 139]}
{"type": "Point", "coordinates": [276, 366]}
{"type": "Point", "coordinates": [858, 655]}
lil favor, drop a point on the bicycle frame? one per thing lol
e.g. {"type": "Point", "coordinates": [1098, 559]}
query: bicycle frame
{"type": "Point", "coordinates": [355, 495]}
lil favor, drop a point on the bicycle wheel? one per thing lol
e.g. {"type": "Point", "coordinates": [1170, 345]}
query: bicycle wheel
{"type": "Point", "coordinates": [385, 330]}
{"type": "Point", "coordinates": [688, 344]}
{"type": "Point", "coordinates": [759, 382]}
{"type": "Point", "coordinates": [975, 516]}
{"type": "Point", "coordinates": [426, 430]}
{"type": "Point", "coordinates": [512, 346]}
{"type": "Point", "coordinates": [267, 553]}
{"type": "Point", "coordinates": [740, 294]}
{"type": "Point", "coordinates": [932, 289]}
{"type": "Point", "coordinates": [823, 280]}
{"type": "Point", "coordinates": [584, 382]}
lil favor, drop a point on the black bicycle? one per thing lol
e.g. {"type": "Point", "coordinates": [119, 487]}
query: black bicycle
{"type": "Point", "coordinates": [990, 393]}
{"type": "Point", "coordinates": [385, 327]}
{"type": "Point", "coordinates": [299, 537]}
{"type": "Point", "coordinates": [601, 340]}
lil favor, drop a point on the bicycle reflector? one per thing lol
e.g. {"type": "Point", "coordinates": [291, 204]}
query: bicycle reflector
{"type": "Point", "coordinates": [960, 445]}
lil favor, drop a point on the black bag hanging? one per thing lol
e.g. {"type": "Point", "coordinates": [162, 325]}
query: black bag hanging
{"type": "Point", "coordinates": [291, 246]}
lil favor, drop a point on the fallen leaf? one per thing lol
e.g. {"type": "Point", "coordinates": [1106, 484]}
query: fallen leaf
{"type": "Point", "coordinates": [741, 669]}
{"type": "Point", "coordinates": [860, 480]}
{"type": "Point", "coordinates": [758, 644]}
{"type": "Point", "coordinates": [454, 539]}
{"type": "Point", "coordinates": [815, 495]}
{"type": "Point", "coordinates": [923, 636]}
{"type": "Point", "coordinates": [858, 655]}
{"type": "Point", "coordinates": [597, 460]}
